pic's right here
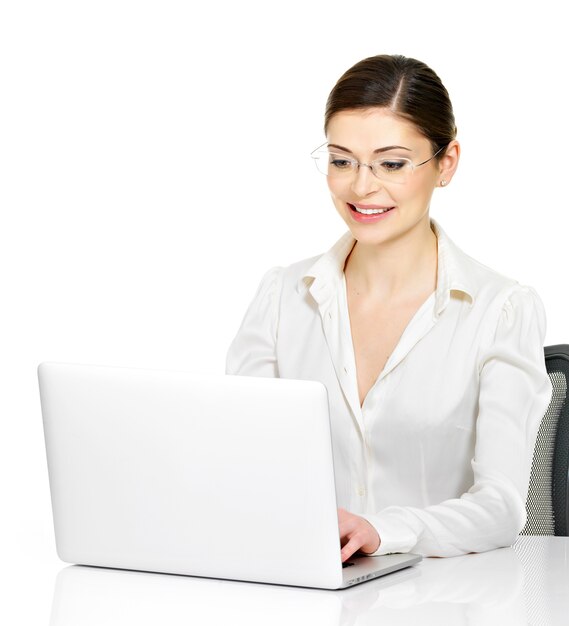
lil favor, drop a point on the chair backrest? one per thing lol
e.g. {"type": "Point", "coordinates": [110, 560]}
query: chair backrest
{"type": "Point", "coordinates": [547, 502]}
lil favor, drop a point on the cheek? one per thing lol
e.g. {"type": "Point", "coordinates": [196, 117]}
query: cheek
{"type": "Point", "coordinates": [415, 192]}
{"type": "Point", "coordinates": [337, 189]}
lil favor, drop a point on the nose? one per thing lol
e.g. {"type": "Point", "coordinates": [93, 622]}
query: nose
{"type": "Point", "coordinates": [364, 181]}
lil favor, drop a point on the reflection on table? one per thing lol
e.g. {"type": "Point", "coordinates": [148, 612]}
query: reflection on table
{"type": "Point", "coordinates": [526, 584]}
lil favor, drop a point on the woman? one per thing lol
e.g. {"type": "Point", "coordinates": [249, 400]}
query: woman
{"type": "Point", "coordinates": [433, 362]}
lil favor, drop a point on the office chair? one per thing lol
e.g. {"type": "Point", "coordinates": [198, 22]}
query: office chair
{"type": "Point", "coordinates": [547, 503]}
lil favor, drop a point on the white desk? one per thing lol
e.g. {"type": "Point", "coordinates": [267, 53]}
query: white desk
{"type": "Point", "coordinates": [526, 584]}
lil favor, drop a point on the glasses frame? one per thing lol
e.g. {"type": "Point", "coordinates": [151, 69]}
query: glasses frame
{"type": "Point", "coordinates": [357, 164]}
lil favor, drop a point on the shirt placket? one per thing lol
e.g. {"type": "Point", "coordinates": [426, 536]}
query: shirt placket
{"type": "Point", "coordinates": [420, 324]}
{"type": "Point", "coordinates": [341, 352]}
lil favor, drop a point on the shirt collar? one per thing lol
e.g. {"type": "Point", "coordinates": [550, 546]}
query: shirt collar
{"type": "Point", "coordinates": [325, 275]}
{"type": "Point", "coordinates": [454, 271]}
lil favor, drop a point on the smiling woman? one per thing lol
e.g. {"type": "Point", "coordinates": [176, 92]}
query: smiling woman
{"type": "Point", "coordinates": [433, 362]}
{"type": "Point", "coordinates": [401, 182]}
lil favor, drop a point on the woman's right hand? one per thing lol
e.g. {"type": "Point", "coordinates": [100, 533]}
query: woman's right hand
{"type": "Point", "coordinates": [356, 533]}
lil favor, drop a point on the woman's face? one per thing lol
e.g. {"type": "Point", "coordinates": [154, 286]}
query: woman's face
{"type": "Point", "coordinates": [362, 134]}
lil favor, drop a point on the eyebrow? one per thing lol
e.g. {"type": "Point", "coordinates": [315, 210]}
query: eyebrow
{"type": "Point", "coordinates": [377, 150]}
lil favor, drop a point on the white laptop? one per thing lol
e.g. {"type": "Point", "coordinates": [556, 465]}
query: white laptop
{"type": "Point", "coordinates": [215, 476]}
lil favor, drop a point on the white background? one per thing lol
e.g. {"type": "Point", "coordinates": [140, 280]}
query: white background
{"type": "Point", "coordinates": [154, 164]}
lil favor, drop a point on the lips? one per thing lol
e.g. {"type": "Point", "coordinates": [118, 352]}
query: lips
{"type": "Point", "coordinates": [369, 209]}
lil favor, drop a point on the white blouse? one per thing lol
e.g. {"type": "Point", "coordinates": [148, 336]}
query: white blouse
{"type": "Point", "coordinates": [438, 457]}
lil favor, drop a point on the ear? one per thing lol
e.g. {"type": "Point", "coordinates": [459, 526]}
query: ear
{"type": "Point", "coordinates": [449, 163]}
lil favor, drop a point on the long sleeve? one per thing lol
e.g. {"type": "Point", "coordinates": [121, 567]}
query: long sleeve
{"type": "Point", "coordinates": [252, 352]}
{"type": "Point", "coordinates": [514, 393]}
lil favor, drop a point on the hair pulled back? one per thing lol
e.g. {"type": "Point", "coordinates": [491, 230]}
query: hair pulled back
{"type": "Point", "coordinates": [407, 87]}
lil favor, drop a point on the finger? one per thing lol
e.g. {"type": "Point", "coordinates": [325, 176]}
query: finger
{"type": "Point", "coordinates": [347, 527]}
{"type": "Point", "coordinates": [373, 540]}
{"type": "Point", "coordinates": [351, 547]}
{"type": "Point", "coordinates": [347, 522]}
{"type": "Point", "coordinates": [371, 544]}
{"type": "Point", "coordinates": [345, 537]}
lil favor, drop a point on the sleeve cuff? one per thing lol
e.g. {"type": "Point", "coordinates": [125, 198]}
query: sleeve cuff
{"type": "Point", "coordinates": [394, 534]}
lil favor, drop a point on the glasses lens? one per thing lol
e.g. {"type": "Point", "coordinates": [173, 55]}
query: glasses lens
{"type": "Point", "coordinates": [392, 170]}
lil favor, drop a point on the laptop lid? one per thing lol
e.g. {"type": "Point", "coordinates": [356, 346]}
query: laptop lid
{"type": "Point", "coordinates": [217, 476]}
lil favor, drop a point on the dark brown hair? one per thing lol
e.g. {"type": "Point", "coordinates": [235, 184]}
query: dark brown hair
{"type": "Point", "coordinates": [409, 88]}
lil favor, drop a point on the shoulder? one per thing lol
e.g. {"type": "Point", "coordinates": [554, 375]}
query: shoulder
{"type": "Point", "coordinates": [492, 285]}
{"type": "Point", "coordinates": [300, 273]}
{"type": "Point", "coordinates": [286, 281]}
{"type": "Point", "coordinates": [500, 300]}
{"type": "Point", "coordinates": [495, 298]}
{"type": "Point", "coordinates": [509, 299]}
{"type": "Point", "coordinates": [484, 278]}
{"type": "Point", "coordinates": [325, 268]}
{"type": "Point", "coordinates": [279, 274]}
{"type": "Point", "coordinates": [460, 271]}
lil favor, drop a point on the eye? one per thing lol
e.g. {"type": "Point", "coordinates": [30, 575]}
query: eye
{"type": "Point", "coordinates": [392, 165]}
{"type": "Point", "coordinates": [340, 163]}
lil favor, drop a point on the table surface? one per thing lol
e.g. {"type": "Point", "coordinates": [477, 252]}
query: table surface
{"type": "Point", "coordinates": [525, 584]}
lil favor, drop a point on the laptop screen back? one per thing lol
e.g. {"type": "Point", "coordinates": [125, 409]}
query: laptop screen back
{"type": "Point", "coordinates": [218, 476]}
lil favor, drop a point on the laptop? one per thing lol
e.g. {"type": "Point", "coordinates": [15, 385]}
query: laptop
{"type": "Point", "coordinates": [215, 476]}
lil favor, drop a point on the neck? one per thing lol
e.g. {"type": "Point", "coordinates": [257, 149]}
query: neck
{"type": "Point", "coordinates": [396, 269]}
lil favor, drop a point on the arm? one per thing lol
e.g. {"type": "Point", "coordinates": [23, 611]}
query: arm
{"type": "Point", "coordinates": [514, 393]}
{"type": "Point", "coordinates": [252, 352]}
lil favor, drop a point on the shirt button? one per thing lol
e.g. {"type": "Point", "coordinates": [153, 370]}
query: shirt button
{"type": "Point", "coordinates": [361, 491]}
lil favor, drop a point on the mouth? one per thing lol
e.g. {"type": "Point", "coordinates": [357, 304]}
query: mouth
{"type": "Point", "coordinates": [371, 210]}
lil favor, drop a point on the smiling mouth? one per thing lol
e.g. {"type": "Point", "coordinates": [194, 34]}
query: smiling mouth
{"type": "Point", "coordinates": [353, 207]}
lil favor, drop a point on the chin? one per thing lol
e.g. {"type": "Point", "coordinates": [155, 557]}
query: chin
{"type": "Point", "coordinates": [371, 236]}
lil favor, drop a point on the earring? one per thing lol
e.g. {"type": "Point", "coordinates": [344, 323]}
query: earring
{"type": "Point", "coordinates": [443, 182]}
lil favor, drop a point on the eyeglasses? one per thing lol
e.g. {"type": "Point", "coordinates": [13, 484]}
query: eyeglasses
{"type": "Point", "coordinates": [388, 169]}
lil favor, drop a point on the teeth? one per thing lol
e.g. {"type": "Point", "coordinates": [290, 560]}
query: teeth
{"type": "Point", "coordinates": [370, 211]}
